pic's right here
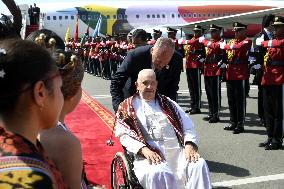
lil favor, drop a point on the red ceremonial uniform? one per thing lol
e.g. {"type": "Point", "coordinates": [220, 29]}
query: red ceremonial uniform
{"type": "Point", "coordinates": [192, 56]}
{"type": "Point", "coordinates": [274, 64]}
{"type": "Point", "coordinates": [213, 56]}
{"type": "Point", "coordinates": [237, 68]}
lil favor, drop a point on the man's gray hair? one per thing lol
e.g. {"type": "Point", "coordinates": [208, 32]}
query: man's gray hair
{"type": "Point", "coordinates": [164, 43]}
{"type": "Point", "coordinates": [146, 72]}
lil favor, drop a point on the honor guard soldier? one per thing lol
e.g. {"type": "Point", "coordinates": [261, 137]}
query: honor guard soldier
{"type": "Point", "coordinates": [195, 53]}
{"type": "Point", "coordinates": [236, 74]}
{"type": "Point", "coordinates": [114, 55]}
{"type": "Point", "coordinates": [156, 34]}
{"type": "Point", "coordinates": [260, 52]}
{"type": "Point", "coordinates": [172, 35]}
{"type": "Point", "coordinates": [97, 69]}
{"type": "Point", "coordinates": [272, 82]}
{"type": "Point", "coordinates": [215, 56]}
{"type": "Point", "coordinates": [87, 47]}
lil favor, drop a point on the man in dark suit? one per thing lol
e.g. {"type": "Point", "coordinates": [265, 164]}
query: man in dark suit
{"type": "Point", "coordinates": [139, 38]}
{"type": "Point", "coordinates": [161, 57]}
{"type": "Point", "coordinates": [36, 12]}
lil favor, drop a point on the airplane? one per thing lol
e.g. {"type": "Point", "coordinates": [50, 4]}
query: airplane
{"type": "Point", "coordinates": [113, 20]}
{"type": "Point", "coordinates": [251, 19]}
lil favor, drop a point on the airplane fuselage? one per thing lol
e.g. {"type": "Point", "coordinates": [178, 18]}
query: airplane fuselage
{"type": "Point", "coordinates": [123, 20]}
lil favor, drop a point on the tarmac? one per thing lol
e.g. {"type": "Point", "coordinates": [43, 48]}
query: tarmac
{"type": "Point", "coordinates": [235, 161]}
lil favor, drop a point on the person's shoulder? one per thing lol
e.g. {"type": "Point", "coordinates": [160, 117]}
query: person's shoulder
{"type": "Point", "coordinates": [141, 50]}
{"type": "Point", "coordinates": [58, 139]}
{"type": "Point", "coordinates": [177, 55]}
{"type": "Point", "coordinates": [23, 167]}
{"type": "Point", "coordinates": [38, 180]}
{"type": "Point", "coordinates": [127, 101]}
{"type": "Point", "coordinates": [16, 145]}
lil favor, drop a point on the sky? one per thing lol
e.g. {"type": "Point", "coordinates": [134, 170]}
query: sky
{"type": "Point", "coordinates": [47, 5]}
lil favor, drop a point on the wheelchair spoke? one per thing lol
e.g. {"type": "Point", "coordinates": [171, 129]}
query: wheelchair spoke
{"type": "Point", "coordinates": [120, 174]}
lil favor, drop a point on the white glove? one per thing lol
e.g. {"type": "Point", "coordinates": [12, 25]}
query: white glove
{"type": "Point", "coordinates": [223, 65]}
{"type": "Point", "coordinates": [259, 40]}
{"type": "Point", "coordinates": [222, 44]}
{"type": "Point", "coordinates": [201, 39]}
{"type": "Point", "coordinates": [181, 41]}
{"type": "Point", "coordinates": [201, 60]}
{"type": "Point", "coordinates": [257, 66]}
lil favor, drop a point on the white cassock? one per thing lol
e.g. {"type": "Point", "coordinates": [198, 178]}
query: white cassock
{"type": "Point", "coordinates": [175, 172]}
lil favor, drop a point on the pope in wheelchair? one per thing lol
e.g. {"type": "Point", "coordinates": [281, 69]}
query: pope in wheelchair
{"type": "Point", "coordinates": [162, 138]}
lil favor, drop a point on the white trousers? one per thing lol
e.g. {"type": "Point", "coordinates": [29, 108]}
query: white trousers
{"type": "Point", "coordinates": [186, 175]}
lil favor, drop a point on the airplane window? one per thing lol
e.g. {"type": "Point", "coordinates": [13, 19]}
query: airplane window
{"type": "Point", "coordinates": [208, 15]}
{"type": "Point", "coordinates": [218, 14]}
{"type": "Point", "coordinates": [137, 15]}
{"type": "Point", "coordinates": [54, 17]}
{"type": "Point", "coordinates": [48, 17]}
{"type": "Point", "coordinates": [224, 14]}
{"type": "Point", "coordinates": [60, 17]}
{"type": "Point", "coordinates": [178, 15]}
{"type": "Point", "coordinates": [158, 16]}
{"type": "Point", "coordinates": [72, 17]}
{"type": "Point", "coordinates": [148, 16]}
{"type": "Point", "coordinates": [213, 15]}
{"type": "Point", "coordinates": [119, 16]}
{"type": "Point", "coordinates": [184, 15]}
{"type": "Point", "coordinates": [194, 15]}
{"type": "Point", "coordinates": [66, 17]}
{"type": "Point", "coordinates": [189, 15]}
{"type": "Point", "coordinates": [173, 15]}
{"type": "Point", "coordinates": [114, 16]}
{"type": "Point", "coordinates": [108, 17]}
{"type": "Point", "coordinates": [199, 15]}
{"type": "Point", "coordinates": [204, 15]}
{"type": "Point", "coordinates": [153, 16]}
{"type": "Point", "coordinates": [163, 16]}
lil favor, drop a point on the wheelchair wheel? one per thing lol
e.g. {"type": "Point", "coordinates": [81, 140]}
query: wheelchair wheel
{"type": "Point", "coordinates": [120, 172]}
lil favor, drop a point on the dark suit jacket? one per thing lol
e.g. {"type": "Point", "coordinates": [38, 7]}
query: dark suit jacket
{"type": "Point", "coordinates": [260, 53]}
{"type": "Point", "coordinates": [123, 83]}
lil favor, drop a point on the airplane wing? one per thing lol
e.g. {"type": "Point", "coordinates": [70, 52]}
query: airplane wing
{"type": "Point", "coordinates": [254, 17]}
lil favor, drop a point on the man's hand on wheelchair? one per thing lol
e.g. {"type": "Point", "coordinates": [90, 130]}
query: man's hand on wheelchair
{"type": "Point", "coordinates": [191, 153]}
{"type": "Point", "coordinates": [151, 156]}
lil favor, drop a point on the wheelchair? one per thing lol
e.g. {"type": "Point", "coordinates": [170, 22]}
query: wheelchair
{"type": "Point", "coordinates": [122, 174]}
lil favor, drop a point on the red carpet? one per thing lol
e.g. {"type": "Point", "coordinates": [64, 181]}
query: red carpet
{"type": "Point", "coordinates": [92, 124]}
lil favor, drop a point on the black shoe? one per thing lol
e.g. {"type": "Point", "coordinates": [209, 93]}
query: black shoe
{"type": "Point", "coordinates": [238, 130]}
{"type": "Point", "coordinates": [188, 110]}
{"type": "Point", "coordinates": [273, 146]}
{"type": "Point", "coordinates": [214, 120]}
{"type": "Point", "coordinates": [207, 118]}
{"type": "Point", "coordinates": [195, 111]}
{"type": "Point", "coordinates": [264, 144]}
{"type": "Point", "coordinates": [230, 127]}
